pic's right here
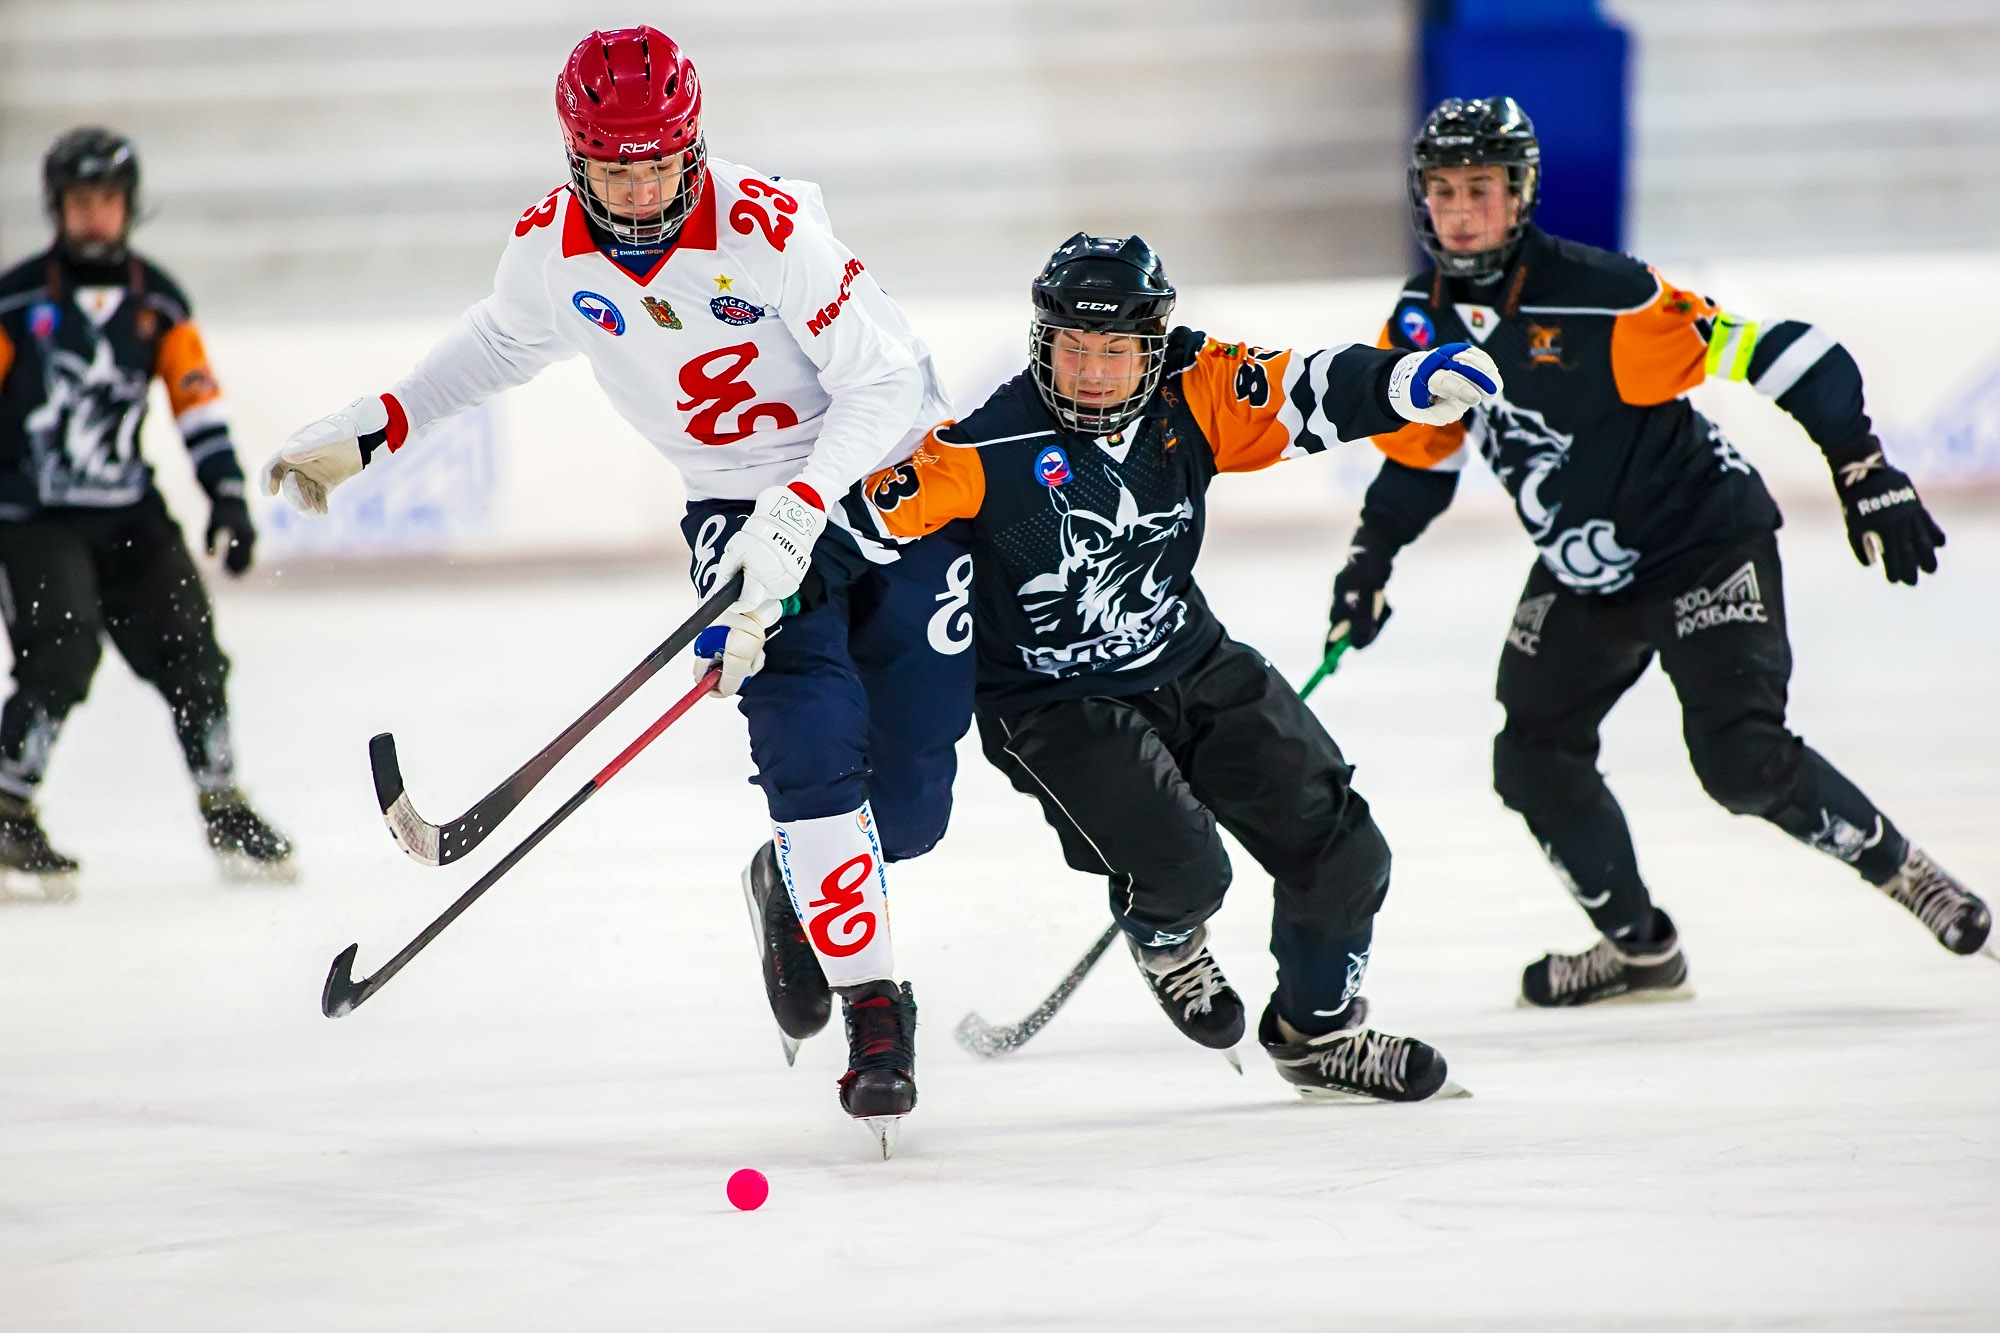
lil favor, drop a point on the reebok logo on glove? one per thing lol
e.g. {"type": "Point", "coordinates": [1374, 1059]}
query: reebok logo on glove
{"type": "Point", "coordinates": [1876, 503]}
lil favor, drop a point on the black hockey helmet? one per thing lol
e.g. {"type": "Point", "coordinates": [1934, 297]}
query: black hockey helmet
{"type": "Point", "coordinates": [1488, 131]}
{"type": "Point", "coordinates": [91, 155]}
{"type": "Point", "coordinates": [1101, 284]}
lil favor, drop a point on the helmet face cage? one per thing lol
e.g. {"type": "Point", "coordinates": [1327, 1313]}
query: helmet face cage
{"type": "Point", "coordinates": [656, 223]}
{"type": "Point", "coordinates": [1092, 414]}
{"type": "Point", "coordinates": [1490, 133]}
{"type": "Point", "coordinates": [1114, 287]}
{"type": "Point", "coordinates": [91, 156]}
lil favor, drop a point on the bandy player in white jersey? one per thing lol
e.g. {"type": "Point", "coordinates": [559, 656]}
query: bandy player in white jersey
{"type": "Point", "coordinates": [726, 323]}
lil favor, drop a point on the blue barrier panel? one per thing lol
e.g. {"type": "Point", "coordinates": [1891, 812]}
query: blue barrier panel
{"type": "Point", "coordinates": [1566, 64]}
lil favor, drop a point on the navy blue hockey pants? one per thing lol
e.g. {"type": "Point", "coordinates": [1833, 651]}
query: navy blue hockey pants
{"type": "Point", "coordinates": [864, 692]}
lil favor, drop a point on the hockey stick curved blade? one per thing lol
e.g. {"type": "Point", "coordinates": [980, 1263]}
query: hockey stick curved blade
{"type": "Point", "coordinates": [987, 1041]}
{"type": "Point", "coordinates": [339, 996]}
{"type": "Point", "coordinates": [441, 844]}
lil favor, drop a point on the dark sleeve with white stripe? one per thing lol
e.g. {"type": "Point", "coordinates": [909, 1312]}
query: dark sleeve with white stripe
{"type": "Point", "coordinates": [1812, 377]}
{"type": "Point", "coordinates": [1343, 395]}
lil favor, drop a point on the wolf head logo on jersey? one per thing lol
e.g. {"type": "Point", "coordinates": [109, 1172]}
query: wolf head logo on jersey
{"type": "Point", "coordinates": [599, 311]}
{"type": "Point", "coordinates": [84, 436]}
{"type": "Point", "coordinates": [1107, 597]}
{"type": "Point", "coordinates": [1528, 454]}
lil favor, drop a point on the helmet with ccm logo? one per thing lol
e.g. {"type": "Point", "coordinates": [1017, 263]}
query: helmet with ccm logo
{"type": "Point", "coordinates": [629, 98]}
{"type": "Point", "coordinates": [1100, 285]}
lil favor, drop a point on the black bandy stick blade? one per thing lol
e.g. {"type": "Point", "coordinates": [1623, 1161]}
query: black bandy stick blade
{"type": "Point", "coordinates": [412, 832]}
{"type": "Point", "coordinates": [339, 996]}
{"type": "Point", "coordinates": [979, 1038]}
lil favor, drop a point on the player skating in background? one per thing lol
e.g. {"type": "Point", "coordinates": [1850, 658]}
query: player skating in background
{"type": "Point", "coordinates": [1107, 688]}
{"type": "Point", "coordinates": [725, 322]}
{"type": "Point", "coordinates": [1656, 537]}
{"type": "Point", "coordinates": [87, 547]}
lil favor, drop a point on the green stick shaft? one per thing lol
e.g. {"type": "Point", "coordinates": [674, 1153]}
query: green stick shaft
{"type": "Point", "coordinates": [1326, 668]}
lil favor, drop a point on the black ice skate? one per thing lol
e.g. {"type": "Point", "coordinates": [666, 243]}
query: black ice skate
{"type": "Point", "coordinates": [1609, 972]}
{"type": "Point", "coordinates": [880, 1085]}
{"type": "Point", "coordinates": [250, 850]}
{"type": "Point", "coordinates": [794, 983]}
{"type": "Point", "coordinates": [1947, 908]}
{"type": "Point", "coordinates": [1355, 1063]}
{"type": "Point", "coordinates": [1189, 985]}
{"type": "Point", "coordinates": [30, 869]}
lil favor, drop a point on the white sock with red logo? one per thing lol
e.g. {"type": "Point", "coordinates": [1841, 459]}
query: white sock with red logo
{"type": "Point", "coordinates": [833, 870]}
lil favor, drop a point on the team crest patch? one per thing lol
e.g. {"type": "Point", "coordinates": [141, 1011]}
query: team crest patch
{"type": "Point", "coordinates": [599, 311]}
{"type": "Point", "coordinates": [1479, 320]}
{"type": "Point", "coordinates": [1526, 632]}
{"type": "Point", "coordinates": [1052, 466]}
{"type": "Point", "coordinates": [1545, 346]}
{"type": "Point", "coordinates": [43, 317]}
{"type": "Point", "coordinates": [662, 313]}
{"type": "Point", "coordinates": [1417, 327]}
{"type": "Point", "coordinates": [732, 311]}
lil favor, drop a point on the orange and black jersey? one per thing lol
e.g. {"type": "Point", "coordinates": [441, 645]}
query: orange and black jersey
{"type": "Point", "coordinates": [79, 348]}
{"type": "Point", "coordinates": [1618, 480]}
{"type": "Point", "coordinates": [1085, 548]}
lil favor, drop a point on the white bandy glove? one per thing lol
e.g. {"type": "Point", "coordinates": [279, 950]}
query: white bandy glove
{"type": "Point", "coordinates": [774, 546]}
{"type": "Point", "coordinates": [1439, 386]}
{"type": "Point", "coordinates": [320, 456]}
{"type": "Point", "coordinates": [735, 642]}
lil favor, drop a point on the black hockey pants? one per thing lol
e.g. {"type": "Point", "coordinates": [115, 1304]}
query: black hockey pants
{"type": "Point", "coordinates": [1721, 640]}
{"type": "Point", "coordinates": [1135, 789]}
{"type": "Point", "coordinates": [65, 581]}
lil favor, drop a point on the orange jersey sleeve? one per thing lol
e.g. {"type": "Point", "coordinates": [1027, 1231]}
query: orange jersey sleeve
{"type": "Point", "coordinates": [181, 362]}
{"type": "Point", "coordinates": [1661, 350]}
{"type": "Point", "coordinates": [1417, 445]}
{"type": "Point", "coordinates": [1236, 394]}
{"type": "Point", "coordinates": [6, 355]}
{"type": "Point", "coordinates": [939, 483]}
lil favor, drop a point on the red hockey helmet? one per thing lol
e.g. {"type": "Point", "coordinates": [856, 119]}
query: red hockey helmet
{"type": "Point", "coordinates": [630, 106]}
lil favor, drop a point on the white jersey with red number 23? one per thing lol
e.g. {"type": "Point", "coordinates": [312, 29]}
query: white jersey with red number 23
{"type": "Point", "coordinates": [757, 351]}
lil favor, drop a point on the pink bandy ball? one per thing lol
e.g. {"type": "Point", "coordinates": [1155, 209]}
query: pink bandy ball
{"type": "Point", "coordinates": [748, 1189]}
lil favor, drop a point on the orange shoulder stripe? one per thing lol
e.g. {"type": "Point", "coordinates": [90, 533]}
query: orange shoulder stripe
{"type": "Point", "coordinates": [939, 483]}
{"type": "Point", "coordinates": [1657, 353]}
{"type": "Point", "coordinates": [182, 363]}
{"type": "Point", "coordinates": [1236, 394]}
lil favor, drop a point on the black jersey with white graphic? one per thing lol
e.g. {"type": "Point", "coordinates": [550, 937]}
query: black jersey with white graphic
{"type": "Point", "coordinates": [1085, 548]}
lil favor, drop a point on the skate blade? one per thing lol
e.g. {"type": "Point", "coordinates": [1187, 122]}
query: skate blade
{"type": "Point", "coordinates": [239, 869]}
{"type": "Point", "coordinates": [1991, 949]}
{"type": "Point", "coordinates": [791, 1046]}
{"type": "Point", "coordinates": [1645, 995]}
{"type": "Point", "coordinates": [1343, 1097]}
{"type": "Point", "coordinates": [884, 1128]}
{"type": "Point", "coordinates": [1235, 1060]}
{"type": "Point", "coordinates": [24, 888]}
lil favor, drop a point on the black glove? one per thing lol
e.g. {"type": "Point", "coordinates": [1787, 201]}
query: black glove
{"type": "Point", "coordinates": [1359, 607]}
{"type": "Point", "coordinates": [1885, 519]}
{"type": "Point", "coordinates": [229, 517]}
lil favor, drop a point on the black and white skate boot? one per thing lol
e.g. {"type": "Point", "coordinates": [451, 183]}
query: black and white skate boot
{"type": "Point", "coordinates": [30, 869]}
{"type": "Point", "coordinates": [1189, 985]}
{"type": "Point", "coordinates": [1609, 972]}
{"type": "Point", "coordinates": [794, 982]}
{"type": "Point", "coordinates": [1355, 1063]}
{"type": "Point", "coordinates": [1947, 908]}
{"type": "Point", "coordinates": [250, 850]}
{"type": "Point", "coordinates": [880, 1085]}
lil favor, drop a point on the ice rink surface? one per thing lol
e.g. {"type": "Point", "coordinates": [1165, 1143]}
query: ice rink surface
{"type": "Point", "coordinates": [530, 1129]}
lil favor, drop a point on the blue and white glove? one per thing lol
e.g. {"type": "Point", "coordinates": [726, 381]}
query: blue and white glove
{"type": "Point", "coordinates": [1439, 386]}
{"type": "Point", "coordinates": [735, 642]}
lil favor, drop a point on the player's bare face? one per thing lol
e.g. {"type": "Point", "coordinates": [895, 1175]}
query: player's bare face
{"type": "Point", "coordinates": [1097, 369]}
{"type": "Point", "coordinates": [1471, 207]}
{"type": "Point", "coordinates": [93, 215]}
{"type": "Point", "coordinates": [635, 189]}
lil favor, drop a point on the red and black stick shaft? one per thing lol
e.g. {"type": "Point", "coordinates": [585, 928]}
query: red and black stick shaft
{"type": "Point", "coordinates": [343, 994]}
